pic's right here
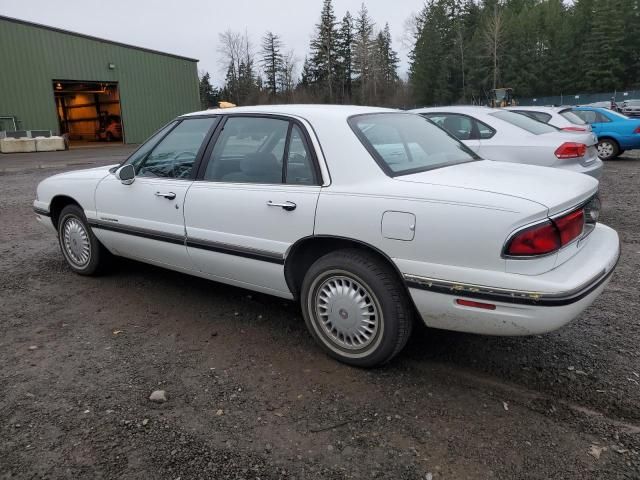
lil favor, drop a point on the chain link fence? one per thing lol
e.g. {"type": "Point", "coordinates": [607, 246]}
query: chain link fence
{"type": "Point", "coordinates": [580, 98]}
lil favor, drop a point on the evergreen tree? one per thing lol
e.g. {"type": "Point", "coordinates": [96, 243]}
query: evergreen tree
{"type": "Point", "coordinates": [272, 60]}
{"type": "Point", "coordinates": [209, 95]}
{"type": "Point", "coordinates": [323, 52]}
{"type": "Point", "coordinates": [344, 58]}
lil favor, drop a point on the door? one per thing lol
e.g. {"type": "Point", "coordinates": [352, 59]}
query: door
{"type": "Point", "coordinates": [145, 220]}
{"type": "Point", "coordinates": [596, 119]}
{"type": "Point", "coordinates": [256, 195]}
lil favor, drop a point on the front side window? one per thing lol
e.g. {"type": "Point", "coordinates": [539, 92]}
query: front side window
{"type": "Point", "coordinates": [524, 122]}
{"type": "Point", "coordinates": [174, 155]}
{"type": "Point", "coordinates": [404, 143]}
{"type": "Point", "coordinates": [141, 153]}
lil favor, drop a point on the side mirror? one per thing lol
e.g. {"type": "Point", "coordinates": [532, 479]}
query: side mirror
{"type": "Point", "coordinates": [126, 174]}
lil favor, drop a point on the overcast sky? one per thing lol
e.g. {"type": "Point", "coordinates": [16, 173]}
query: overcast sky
{"type": "Point", "coordinates": [191, 27]}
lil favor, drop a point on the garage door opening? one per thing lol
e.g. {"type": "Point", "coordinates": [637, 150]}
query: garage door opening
{"type": "Point", "coordinates": [89, 111]}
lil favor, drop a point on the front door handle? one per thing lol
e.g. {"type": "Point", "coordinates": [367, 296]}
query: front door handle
{"type": "Point", "coordinates": [288, 206]}
{"type": "Point", "coordinates": [167, 195]}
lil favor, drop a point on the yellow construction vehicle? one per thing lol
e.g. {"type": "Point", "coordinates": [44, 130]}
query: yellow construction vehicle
{"type": "Point", "coordinates": [501, 97]}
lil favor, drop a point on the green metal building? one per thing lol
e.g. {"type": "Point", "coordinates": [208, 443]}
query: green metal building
{"type": "Point", "coordinates": [89, 88]}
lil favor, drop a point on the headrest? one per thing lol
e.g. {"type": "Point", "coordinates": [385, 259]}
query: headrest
{"type": "Point", "coordinates": [259, 163]}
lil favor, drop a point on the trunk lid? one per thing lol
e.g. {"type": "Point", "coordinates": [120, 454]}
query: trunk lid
{"type": "Point", "coordinates": [553, 188]}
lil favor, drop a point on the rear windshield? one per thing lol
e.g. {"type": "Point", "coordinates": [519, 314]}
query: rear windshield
{"type": "Point", "coordinates": [524, 122]}
{"type": "Point", "coordinates": [404, 143]}
{"type": "Point", "coordinates": [572, 117]}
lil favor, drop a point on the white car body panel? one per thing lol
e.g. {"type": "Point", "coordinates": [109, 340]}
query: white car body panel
{"type": "Point", "coordinates": [442, 229]}
{"type": "Point", "coordinates": [516, 145]}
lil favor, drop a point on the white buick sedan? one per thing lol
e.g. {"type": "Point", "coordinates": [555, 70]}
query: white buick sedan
{"type": "Point", "coordinates": [369, 217]}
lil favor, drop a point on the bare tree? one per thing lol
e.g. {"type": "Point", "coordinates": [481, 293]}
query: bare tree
{"type": "Point", "coordinates": [287, 73]}
{"type": "Point", "coordinates": [232, 48]}
{"type": "Point", "coordinates": [493, 40]}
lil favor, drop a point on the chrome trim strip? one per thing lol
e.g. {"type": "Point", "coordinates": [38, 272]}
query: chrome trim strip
{"type": "Point", "coordinates": [506, 295]}
{"type": "Point", "coordinates": [246, 252]}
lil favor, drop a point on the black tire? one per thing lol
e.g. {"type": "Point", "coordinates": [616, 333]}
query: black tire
{"type": "Point", "coordinates": [608, 149]}
{"type": "Point", "coordinates": [109, 137]}
{"type": "Point", "coordinates": [72, 218]}
{"type": "Point", "coordinates": [384, 303]}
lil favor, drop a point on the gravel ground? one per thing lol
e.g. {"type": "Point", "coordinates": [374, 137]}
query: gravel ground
{"type": "Point", "coordinates": [250, 396]}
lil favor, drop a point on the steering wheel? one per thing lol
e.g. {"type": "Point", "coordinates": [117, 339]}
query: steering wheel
{"type": "Point", "coordinates": [184, 169]}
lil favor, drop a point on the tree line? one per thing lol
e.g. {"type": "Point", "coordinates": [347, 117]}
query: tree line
{"type": "Point", "coordinates": [464, 48]}
{"type": "Point", "coordinates": [349, 61]}
{"type": "Point", "coordinates": [459, 50]}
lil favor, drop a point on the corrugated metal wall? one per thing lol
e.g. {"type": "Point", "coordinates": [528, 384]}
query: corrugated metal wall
{"type": "Point", "coordinates": [154, 88]}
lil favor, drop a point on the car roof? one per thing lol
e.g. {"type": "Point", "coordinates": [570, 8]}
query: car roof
{"type": "Point", "coordinates": [309, 112]}
{"type": "Point", "coordinates": [457, 108]}
{"type": "Point", "coordinates": [535, 108]}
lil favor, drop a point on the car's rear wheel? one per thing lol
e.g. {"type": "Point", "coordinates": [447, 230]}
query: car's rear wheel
{"type": "Point", "coordinates": [80, 247]}
{"type": "Point", "coordinates": [608, 149]}
{"type": "Point", "coordinates": [356, 308]}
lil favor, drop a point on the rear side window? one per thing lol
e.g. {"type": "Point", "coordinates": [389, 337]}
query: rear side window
{"type": "Point", "coordinates": [460, 126]}
{"type": "Point", "coordinates": [174, 155]}
{"type": "Point", "coordinates": [524, 122]}
{"type": "Point", "coordinates": [592, 116]}
{"type": "Point", "coordinates": [539, 116]}
{"type": "Point", "coordinates": [261, 150]}
{"type": "Point", "coordinates": [403, 143]}
{"type": "Point", "coordinates": [573, 118]}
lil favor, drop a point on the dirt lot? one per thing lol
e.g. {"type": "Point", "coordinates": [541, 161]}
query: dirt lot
{"type": "Point", "coordinates": [250, 395]}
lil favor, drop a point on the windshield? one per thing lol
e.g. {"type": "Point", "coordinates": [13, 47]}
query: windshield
{"type": "Point", "coordinates": [632, 102]}
{"type": "Point", "coordinates": [524, 122]}
{"type": "Point", "coordinates": [404, 143]}
{"type": "Point", "coordinates": [573, 118]}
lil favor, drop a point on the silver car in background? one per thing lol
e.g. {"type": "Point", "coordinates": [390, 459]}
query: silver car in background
{"type": "Point", "coordinates": [501, 135]}
{"type": "Point", "coordinates": [560, 117]}
{"type": "Point", "coordinates": [631, 108]}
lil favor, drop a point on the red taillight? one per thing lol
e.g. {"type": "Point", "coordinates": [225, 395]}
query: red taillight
{"type": "Point", "coordinates": [536, 240]}
{"type": "Point", "coordinates": [547, 237]}
{"type": "Point", "coordinates": [571, 150]}
{"type": "Point", "coordinates": [570, 226]}
{"type": "Point", "coordinates": [574, 129]}
{"type": "Point", "coordinates": [637, 130]}
{"type": "Point", "coordinates": [471, 303]}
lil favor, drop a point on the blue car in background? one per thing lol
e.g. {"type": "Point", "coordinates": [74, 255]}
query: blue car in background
{"type": "Point", "coordinates": [616, 133]}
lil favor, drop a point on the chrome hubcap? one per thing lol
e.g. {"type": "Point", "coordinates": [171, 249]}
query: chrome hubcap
{"type": "Point", "coordinates": [76, 242]}
{"type": "Point", "coordinates": [605, 149]}
{"type": "Point", "coordinates": [347, 312]}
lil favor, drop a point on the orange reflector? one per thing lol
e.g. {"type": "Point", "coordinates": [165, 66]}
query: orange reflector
{"type": "Point", "coordinates": [470, 303]}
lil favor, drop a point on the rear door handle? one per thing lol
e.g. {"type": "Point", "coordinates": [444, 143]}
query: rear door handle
{"type": "Point", "coordinates": [288, 206]}
{"type": "Point", "coordinates": [167, 195]}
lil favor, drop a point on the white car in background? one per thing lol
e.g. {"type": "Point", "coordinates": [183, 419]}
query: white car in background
{"type": "Point", "coordinates": [501, 135]}
{"type": "Point", "coordinates": [559, 117]}
{"type": "Point", "coordinates": [366, 216]}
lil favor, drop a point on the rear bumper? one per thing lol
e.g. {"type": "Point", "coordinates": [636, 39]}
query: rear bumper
{"type": "Point", "coordinates": [562, 294]}
{"type": "Point", "coordinates": [593, 169]}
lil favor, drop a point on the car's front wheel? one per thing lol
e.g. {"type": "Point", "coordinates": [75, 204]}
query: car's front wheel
{"type": "Point", "coordinates": [356, 308]}
{"type": "Point", "coordinates": [80, 247]}
{"type": "Point", "coordinates": [608, 149]}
